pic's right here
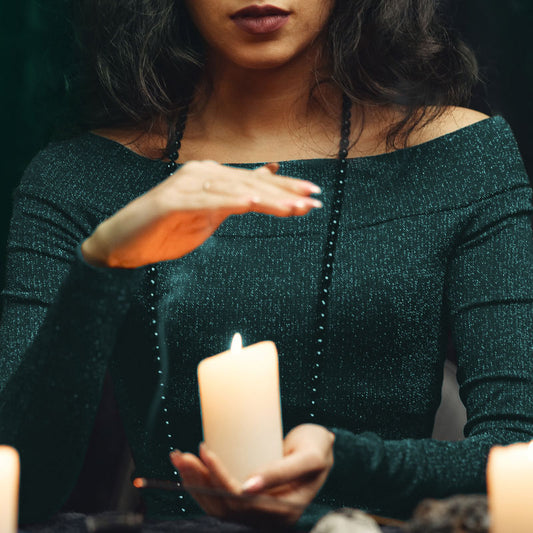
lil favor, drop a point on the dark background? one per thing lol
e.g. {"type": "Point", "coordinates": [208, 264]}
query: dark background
{"type": "Point", "coordinates": [37, 56]}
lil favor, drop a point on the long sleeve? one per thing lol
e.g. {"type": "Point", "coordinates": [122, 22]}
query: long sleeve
{"type": "Point", "coordinates": [58, 328]}
{"type": "Point", "coordinates": [488, 303]}
{"type": "Point", "coordinates": [432, 239]}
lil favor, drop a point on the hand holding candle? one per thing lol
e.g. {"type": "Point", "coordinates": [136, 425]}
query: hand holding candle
{"type": "Point", "coordinates": [241, 416]}
{"type": "Point", "coordinates": [290, 483]}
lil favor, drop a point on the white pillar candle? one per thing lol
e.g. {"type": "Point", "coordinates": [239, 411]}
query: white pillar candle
{"type": "Point", "coordinates": [510, 488]}
{"type": "Point", "coordinates": [9, 489]}
{"type": "Point", "coordinates": [241, 409]}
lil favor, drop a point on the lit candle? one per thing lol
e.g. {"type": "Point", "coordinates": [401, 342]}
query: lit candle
{"type": "Point", "coordinates": [9, 489]}
{"type": "Point", "coordinates": [241, 409]}
{"type": "Point", "coordinates": [510, 488]}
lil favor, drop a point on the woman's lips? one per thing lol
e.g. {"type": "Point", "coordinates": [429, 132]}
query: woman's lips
{"type": "Point", "coordinates": [260, 19]}
{"type": "Point", "coordinates": [267, 24]}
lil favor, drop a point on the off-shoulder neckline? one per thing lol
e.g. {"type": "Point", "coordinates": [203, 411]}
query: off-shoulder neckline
{"type": "Point", "coordinates": [417, 147]}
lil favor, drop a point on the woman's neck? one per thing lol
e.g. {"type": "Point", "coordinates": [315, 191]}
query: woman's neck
{"type": "Point", "coordinates": [253, 101]}
{"type": "Point", "coordinates": [246, 115]}
{"type": "Point", "coordinates": [273, 112]}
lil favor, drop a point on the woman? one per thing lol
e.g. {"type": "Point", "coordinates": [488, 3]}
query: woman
{"type": "Point", "coordinates": [122, 258]}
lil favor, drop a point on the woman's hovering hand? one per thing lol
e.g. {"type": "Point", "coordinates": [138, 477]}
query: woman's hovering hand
{"type": "Point", "coordinates": [292, 482]}
{"type": "Point", "coordinates": [180, 213]}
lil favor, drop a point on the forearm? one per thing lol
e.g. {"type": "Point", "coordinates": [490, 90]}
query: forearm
{"type": "Point", "coordinates": [50, 391]}
{"type": "Point", "coordinates": [391, 477]}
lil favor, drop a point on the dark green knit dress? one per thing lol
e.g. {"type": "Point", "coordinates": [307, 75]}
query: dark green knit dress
{"type": "Point", "coordinates": [432, 240]}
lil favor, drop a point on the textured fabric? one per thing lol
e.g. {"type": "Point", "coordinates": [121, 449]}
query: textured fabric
{"type": "Point", "coordinates": [77, 523]}
{"type": "Point", "coordinates": [434, 239]}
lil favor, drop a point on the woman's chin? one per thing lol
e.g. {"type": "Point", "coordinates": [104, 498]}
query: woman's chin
{"type": "Point", "coordinates": [263, 61]}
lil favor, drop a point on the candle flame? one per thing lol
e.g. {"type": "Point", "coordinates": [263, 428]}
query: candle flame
{"type": "Point", "coordinates": [236, 343]}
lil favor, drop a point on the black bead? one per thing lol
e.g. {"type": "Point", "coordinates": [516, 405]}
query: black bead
{"type": "Point", "coordinates": [173, 156]}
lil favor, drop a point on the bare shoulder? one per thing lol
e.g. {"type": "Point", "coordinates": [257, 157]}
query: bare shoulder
{"type": "Point", "coordinates": [143, 144]}
{"type": "Point", "coordinates": [450, 120]}
{"type": "Point", "coordinates": [378, 121]}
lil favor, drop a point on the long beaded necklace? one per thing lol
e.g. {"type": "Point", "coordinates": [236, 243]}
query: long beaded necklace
{"type": "Point", "coordinates": [313, 379]}
{"type": "Point", "coordinates": [161, 362]}
{"type": "Point", "coordinates": [329, 256]}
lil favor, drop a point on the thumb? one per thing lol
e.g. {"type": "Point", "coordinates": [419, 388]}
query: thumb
{"type": "Point", "coordinates": [291, 468]}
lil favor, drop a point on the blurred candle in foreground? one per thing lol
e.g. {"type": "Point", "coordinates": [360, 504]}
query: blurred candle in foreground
{"type": "Point", "coordinates": [9, 489]}
{"type": "Point", "coordinates": [241, 410]}
{"type": "Point", "coordinates": [510, 488]}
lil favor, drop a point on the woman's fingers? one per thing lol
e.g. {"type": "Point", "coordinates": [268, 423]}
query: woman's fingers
{"type": "Point", "coordinates": [250, 511]}
{"type": "Point", "coordinates": [209, 185]}
{"type": "Point", "coordinates": [252, 201]}
{"type": "Point", "coordinates": [295, 185]}
{"type": "Point", "coordinates": [221, 179]}
{"type": "Point", "coordinates": [284, 488]}
{"type": "Point", "coordinates": [261, 184]}
{"type": "Point", "coordinates": [182, 212]}
{"type": "Point", "coordinates": [291, 468]}
{"type": "Point", "coordinates": [262, 181]}
{"type": "Point", "coordinates": [259, 202]}
{"type": "Point", "coordinates": [308, 450]}
{"type": "Point", "coordinates": [208, 471]}
{"type": "Point", "coordinates": [192, 470]}
{"type": "Point", "coordinates": [195, 474]}
{"type": "Point", "coordinates": [220, 477]}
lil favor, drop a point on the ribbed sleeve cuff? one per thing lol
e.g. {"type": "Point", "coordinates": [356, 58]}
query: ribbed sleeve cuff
{"type": "Point", "coordinates": [357, 460]}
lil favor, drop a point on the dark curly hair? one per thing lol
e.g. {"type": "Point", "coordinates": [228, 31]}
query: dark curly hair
{"type": "Point", "coordinates": [145, 58]}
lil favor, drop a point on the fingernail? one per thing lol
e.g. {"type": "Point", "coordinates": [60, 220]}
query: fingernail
{"type": "Point", "coordinates": [316, 203]}
{"type": "Point", "coordinates": [315, 189]}
{"type": "Point", "coordinates": [254, 483]}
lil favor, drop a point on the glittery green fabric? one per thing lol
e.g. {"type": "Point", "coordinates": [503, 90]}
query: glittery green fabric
{"type": "Point", "coordinates": [432, 240]}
